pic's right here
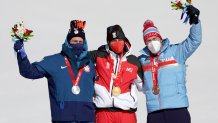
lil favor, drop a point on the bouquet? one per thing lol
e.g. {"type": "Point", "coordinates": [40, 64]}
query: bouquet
{"type": "Point", "coordinates": [19, 31]}
{"type": "Point", "coordinates": [181, 5]}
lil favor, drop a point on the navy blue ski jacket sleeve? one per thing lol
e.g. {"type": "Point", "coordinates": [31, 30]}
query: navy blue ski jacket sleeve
{"type": "Point", "coordinates": [28, 70]}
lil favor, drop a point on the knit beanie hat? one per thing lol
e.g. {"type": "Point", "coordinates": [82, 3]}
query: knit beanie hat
{"type": "Point", "coordinates": [150, 30]}
{"type": "Point", "coordinates": [76, 29]}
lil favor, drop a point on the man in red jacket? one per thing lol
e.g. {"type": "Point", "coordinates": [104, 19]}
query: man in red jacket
{"type": "Point", "coordinates": [118, 75]}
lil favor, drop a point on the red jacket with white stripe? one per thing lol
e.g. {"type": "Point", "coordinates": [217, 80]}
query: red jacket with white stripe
{"type": "Point", "coordinates": [107, 63]}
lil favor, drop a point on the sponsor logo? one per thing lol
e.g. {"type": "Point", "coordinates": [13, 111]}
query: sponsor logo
{"type": "Point", "coordinates": [62, 67]}
{"type": "Point", "coordinates": [129, 69]}
{"type": "Point", "coordinates": [167, 59]}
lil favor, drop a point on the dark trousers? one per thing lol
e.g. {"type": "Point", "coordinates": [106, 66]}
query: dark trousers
{"type": "Point", "coordinates": [180, 115]}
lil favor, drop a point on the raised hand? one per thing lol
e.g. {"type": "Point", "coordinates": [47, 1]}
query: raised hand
{"type": "Point", "coordinates": [193, 13]}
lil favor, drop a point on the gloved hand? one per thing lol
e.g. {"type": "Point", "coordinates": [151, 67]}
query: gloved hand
{"type": "Point", "coordinates": [193, 13]}
{"type": "Point", "coordinates": [19, 48]}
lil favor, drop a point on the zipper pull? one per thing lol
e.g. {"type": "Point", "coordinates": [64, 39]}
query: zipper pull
{"type": "Point", "coordinates": [62, 105]}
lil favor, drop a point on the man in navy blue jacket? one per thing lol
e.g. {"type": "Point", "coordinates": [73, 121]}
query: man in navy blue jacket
{"type": "Point", "coordinates": [70, 76]}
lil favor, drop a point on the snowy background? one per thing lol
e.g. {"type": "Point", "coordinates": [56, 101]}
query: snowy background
{"type": "Point", "coordinates": [25, 101]}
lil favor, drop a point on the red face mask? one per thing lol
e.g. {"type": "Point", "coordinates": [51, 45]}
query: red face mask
{"type": "Point", "coordinates": [117, 47]}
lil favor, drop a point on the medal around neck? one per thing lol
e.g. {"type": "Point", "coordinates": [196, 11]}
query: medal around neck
{"type": "Point", "coordinates": [75, 90]}
{"type": "Point", "coordinates": [155, 90]}
{"type": "Point", "coordinates": [116, 91]}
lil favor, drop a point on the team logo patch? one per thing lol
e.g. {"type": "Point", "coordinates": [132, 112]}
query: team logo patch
{"type": "Point", "coordinates": [76, 31]}
{"type": "Point", "coordinates": [87, 69]}
{"type": "Point", "coordinates": [107, 65]}
{"type": "Point", "coordinates": [113, 75]}
{"type": "Point", "coordinates": [114, 34]}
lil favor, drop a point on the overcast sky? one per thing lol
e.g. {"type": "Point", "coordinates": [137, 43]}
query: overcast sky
{"type": "Point", "coordinates": [25, 101]}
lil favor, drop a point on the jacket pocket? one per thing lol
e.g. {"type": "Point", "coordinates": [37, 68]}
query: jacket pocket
{"type": "Point", "coordinates": [180, 79]}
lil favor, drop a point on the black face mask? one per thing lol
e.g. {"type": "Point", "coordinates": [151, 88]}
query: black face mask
{"type": "Point", "coordinates": [77, 48]}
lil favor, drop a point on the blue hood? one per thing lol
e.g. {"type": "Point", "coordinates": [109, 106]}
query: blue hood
{"type": "Point", "coordinates": [74, 60]}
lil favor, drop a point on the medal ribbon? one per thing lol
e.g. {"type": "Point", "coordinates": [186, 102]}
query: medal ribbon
{"type": "Point", "coordinates": [117, 80]}
{"type": "Point", "coordinates": [74, 81]}
{"type": "Point", "coordinates": [154, 69]}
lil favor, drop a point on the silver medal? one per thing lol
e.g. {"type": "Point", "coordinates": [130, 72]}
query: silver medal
{"type": "Point", "coordinates": [75, 90]}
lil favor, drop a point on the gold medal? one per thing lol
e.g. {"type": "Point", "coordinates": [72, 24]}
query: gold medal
{"type": "Point", "coordinates": [155, 90]}
{"type": "Point", "coordinates": [116, 91]}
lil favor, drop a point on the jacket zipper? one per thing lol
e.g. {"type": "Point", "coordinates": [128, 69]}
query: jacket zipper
{"type": "Point", "coordinates": [116, 66]}
{"type": "Point", "coordinates": [159, 92]}
{"type": "Point", "coordinates": [159, 101]}
{"type": "Point", "coordinates": [115, 71]}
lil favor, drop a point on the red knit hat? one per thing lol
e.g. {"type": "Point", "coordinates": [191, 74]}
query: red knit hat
{"type": "Point", "coordinates": [150, 30]}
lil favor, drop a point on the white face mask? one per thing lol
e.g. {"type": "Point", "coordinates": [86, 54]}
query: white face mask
{"type": "Point", "coordinates": [154, 46]}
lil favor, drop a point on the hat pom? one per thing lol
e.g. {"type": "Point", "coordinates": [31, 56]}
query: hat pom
{"type": "Point", "coordinates": [148, 23]}
{"type": "Point", "coordinates": [77, 24]}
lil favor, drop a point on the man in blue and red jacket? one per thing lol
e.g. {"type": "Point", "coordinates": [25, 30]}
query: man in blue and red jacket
{"type": "Point", "coordinates": [70, 76]}
{"type": "Point", "coordinates": [165, 71]}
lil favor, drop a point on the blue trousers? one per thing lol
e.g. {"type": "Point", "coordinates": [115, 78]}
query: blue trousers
{"type": "Point", "coordinates": [179, 115]}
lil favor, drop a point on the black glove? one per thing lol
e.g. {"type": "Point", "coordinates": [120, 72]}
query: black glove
{"type": "Point", "coordinates": [193, 13]}
{"type": "Point", "coordinates": [18, 47]}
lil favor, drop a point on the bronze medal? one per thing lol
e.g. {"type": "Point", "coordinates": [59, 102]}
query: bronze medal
{"type": "Point", "coordinates": [155, 90]}
{"type": "Point", "coordinates": [116, 91]}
